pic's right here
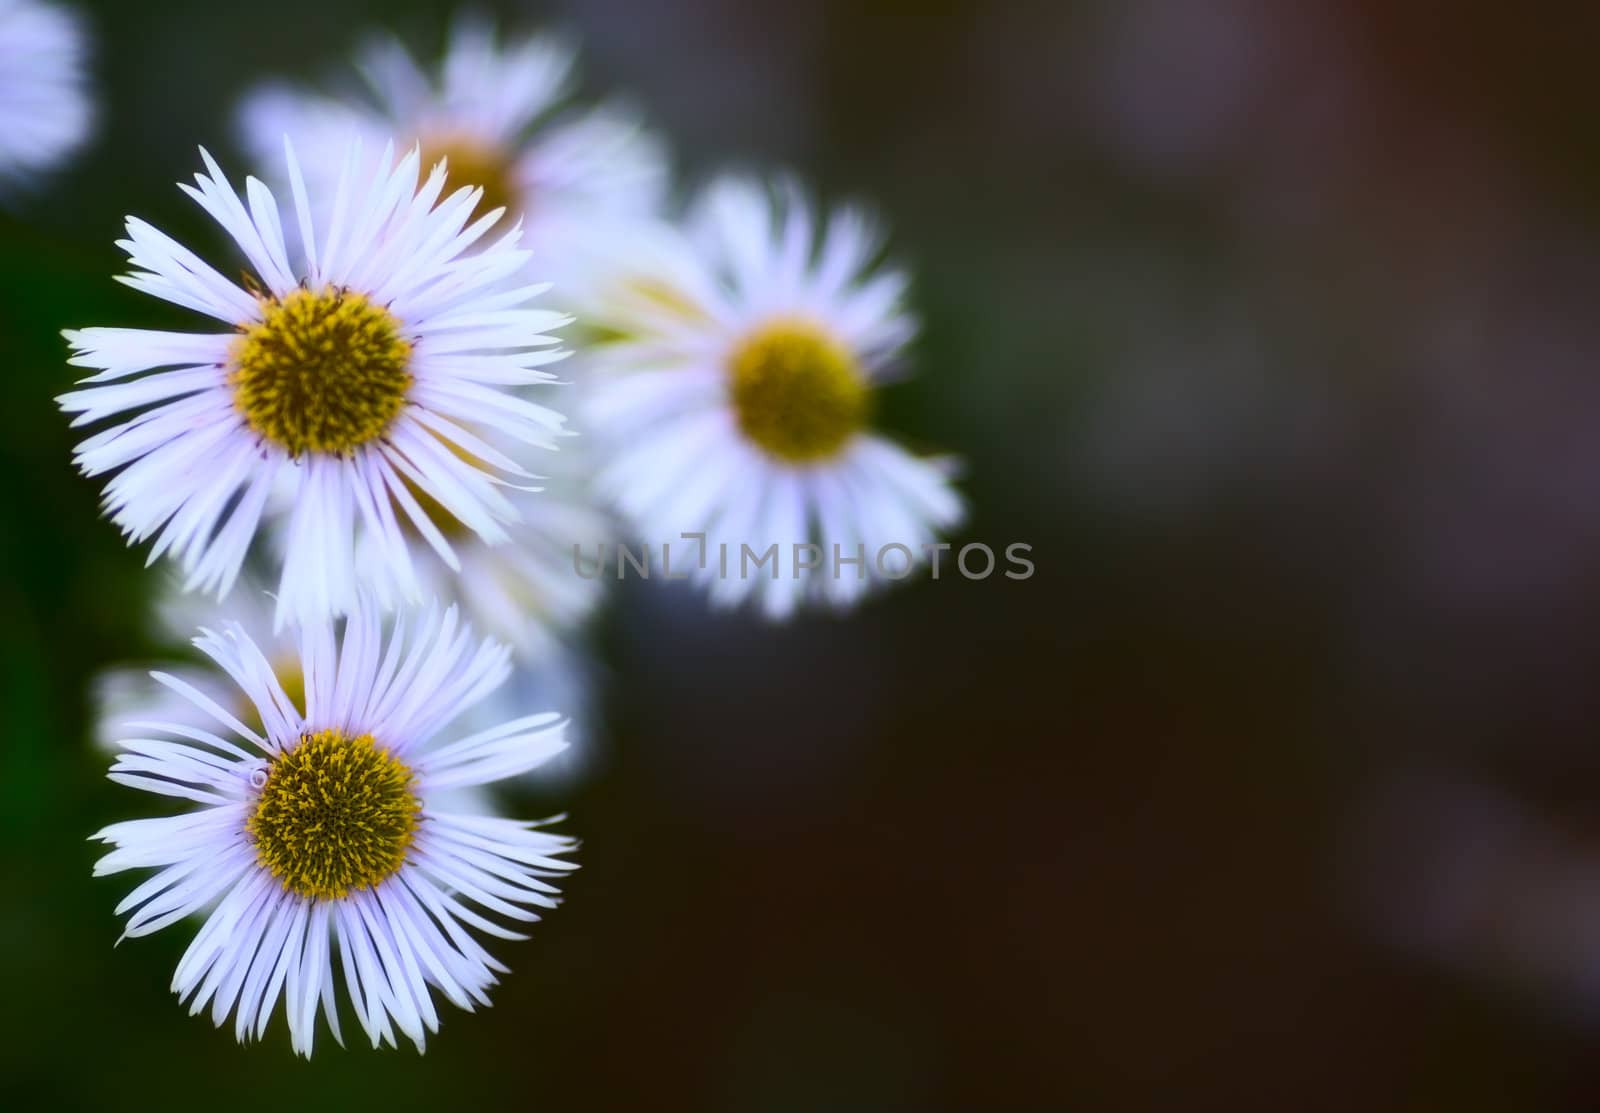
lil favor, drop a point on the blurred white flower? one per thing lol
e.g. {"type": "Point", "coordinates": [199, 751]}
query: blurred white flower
{"type": "Point", "coordinates": [344, 392]}
{"type": "Point", "coordinates": [320, 830]}
{"type": "Point", "coordinates": [732, 386]}
{"type": "Point", "coordinates": [499, 113]}
{"type": "Point", "coordinates": [45, 113]}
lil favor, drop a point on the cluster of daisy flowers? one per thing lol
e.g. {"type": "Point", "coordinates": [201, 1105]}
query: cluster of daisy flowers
{"type": "Point", "coordinates": [362, 452]}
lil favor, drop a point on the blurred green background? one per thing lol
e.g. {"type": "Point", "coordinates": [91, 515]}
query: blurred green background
{"type": "Point", "coordinates": [1271, 326]}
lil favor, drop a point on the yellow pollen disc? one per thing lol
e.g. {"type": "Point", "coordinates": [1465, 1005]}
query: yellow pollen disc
{"type": "Point", "coordinates": [797, 392]}
{"type": "Point", "coordinates": [472, 162]}
{"type": "Point", "coordinates": [336, 813]}
{"type": "Point", "coordinates": [322, 371]}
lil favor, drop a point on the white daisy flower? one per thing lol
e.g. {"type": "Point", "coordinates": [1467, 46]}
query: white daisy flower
{"type": "Point", "coordinates": [45, 112]}
{"type": "Point", "coordinates": [348, 389]}
{"type": "Point", "coordinates": [320, 836]}
{"type": "Point", "coordinates": [496, 111]}
{"type": "Point", "coordinates": [732, 394]}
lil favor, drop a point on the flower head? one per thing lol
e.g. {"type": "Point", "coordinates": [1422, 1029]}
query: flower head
{"type": "Point", "coordinates": [734, 376]}
{"type": "Point", "coordinates": [335, 401]}
{"type": "Point", "coordinates": [44, 106]}
{"type": "Point", "coordinates": [323, 838]}
{"type": "Point", "coordinates": [497, 111]}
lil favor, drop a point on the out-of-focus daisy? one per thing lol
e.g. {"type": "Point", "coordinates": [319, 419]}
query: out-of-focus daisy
{"type": "Point", "coordinates": [496, 111]}
{"type": "Point", "coordinates": [733, 396]}
{"type": "Point", "coordinates": [351, 390]}
{"type": "Point", "coordinates": [44, 105]}
{"type": "Point", "coordinates": [319, 843]}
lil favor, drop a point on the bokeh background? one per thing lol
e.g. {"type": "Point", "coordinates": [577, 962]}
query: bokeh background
{"type": "Point", "coordinates": [1272, 326]}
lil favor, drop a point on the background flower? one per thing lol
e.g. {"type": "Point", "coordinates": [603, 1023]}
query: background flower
{"type": "Point", "coordinates": [500, 109]}
{"type": "Point", "coordinates": [45, 112]}
{"type": "Point", "coordinates": [734, 375]}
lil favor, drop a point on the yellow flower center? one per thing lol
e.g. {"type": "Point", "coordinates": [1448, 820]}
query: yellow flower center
{"type": "Point", "coordinates": [797, 392]}
{"type": "Point", "coordinates": [336, 813]}
{"type": "Point", "coordinates": [472, 162]}
{"type": "Point", "coordinates": [323, 371]}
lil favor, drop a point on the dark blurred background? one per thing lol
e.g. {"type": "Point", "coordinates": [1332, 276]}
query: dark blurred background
{"type": "Point", "coordinates": [1272, 326]}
